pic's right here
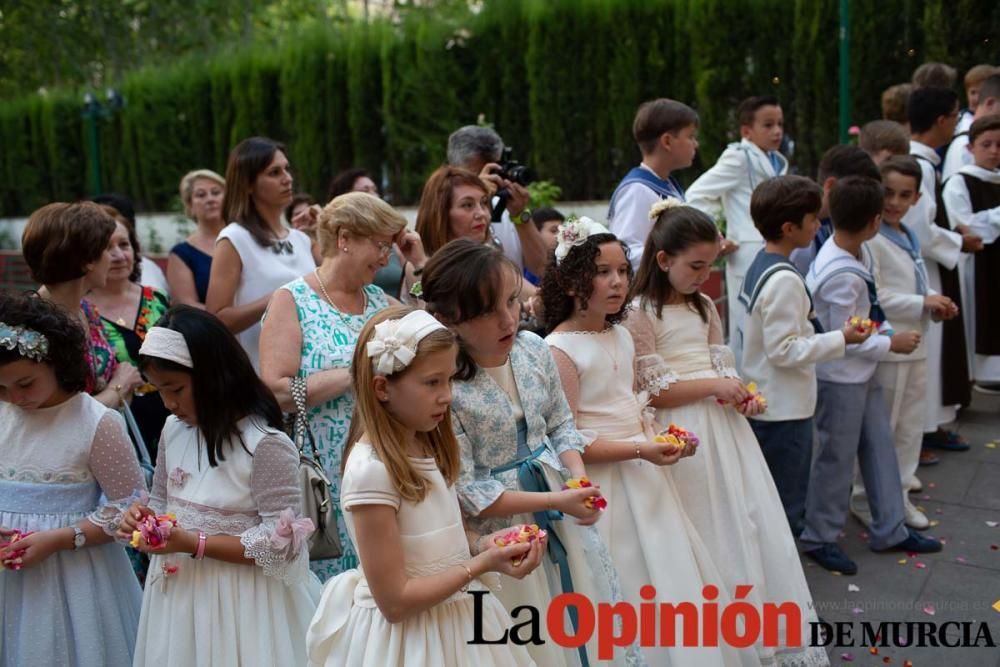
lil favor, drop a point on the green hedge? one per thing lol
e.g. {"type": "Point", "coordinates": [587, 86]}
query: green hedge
{"type": "Point", "coordinates": [559, 79]}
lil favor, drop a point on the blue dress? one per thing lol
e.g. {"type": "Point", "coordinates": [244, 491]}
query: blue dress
{"type": "Point", "coordinates": [75, 608]}
{"type": "Point", "coordinates": [199, 263]}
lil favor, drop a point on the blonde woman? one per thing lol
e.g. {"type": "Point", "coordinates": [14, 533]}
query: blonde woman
{"type": "Point", "coordinates": [313, 323]}
{"type": "Point", "coordinates": [190, 262]}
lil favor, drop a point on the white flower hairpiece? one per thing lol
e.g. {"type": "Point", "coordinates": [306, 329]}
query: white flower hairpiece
{"type": "Point", "coordinates": [662, 205]}
{"type": "Point", "coordinates": [28, 342]}
{"type": "Point", "coordinates": [573, 232]}
{"type": "Point", "coordinates": [394, 345]}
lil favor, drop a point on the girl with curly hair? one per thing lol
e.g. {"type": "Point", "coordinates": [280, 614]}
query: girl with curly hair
{"type": "Point", "coordinates": [727, 490]}
{"type": "Point", "coordinates": [67, 594]}
{"type": "Point", "coordinates": [585, 292]}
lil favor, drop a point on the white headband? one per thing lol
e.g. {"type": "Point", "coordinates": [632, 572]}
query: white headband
{"type": "Point", "coordinates": [395, 342]}
{"type": "Point", "coordinates": [574, 232]}
{"type": "Point", "coordinates": [168, 344]}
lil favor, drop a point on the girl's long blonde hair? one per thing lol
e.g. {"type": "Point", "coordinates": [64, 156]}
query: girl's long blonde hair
{"type": "Point", "coordinates": [384, 431]}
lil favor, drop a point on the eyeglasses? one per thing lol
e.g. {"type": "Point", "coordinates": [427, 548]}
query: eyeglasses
{"type": "Point", "coordinates": [384, 249]}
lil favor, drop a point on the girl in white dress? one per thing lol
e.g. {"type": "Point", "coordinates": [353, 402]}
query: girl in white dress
{"type": "Point", "coordinates": [652, 542]}
{"type": "Point", "coordinates": [413, 599]}
{"type": "Point", "coordinates": [727, 489]}
{"type": "Point", "coordinates": [231, 583]}
{"type": "Point", "coordinates": [67, 593]}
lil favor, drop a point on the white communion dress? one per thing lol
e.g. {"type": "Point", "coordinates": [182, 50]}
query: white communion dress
{"type": "Point", "coordinates": [348, 629]}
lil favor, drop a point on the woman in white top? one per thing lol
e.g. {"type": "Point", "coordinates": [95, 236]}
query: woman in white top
{"type": "Point", "coordinates": [255, 254]}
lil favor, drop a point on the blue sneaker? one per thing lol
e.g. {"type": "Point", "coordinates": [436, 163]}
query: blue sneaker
{"type": "Point", "coordinates": [832, 557]}
{"type": "Point", "coordinates": [916, 543]}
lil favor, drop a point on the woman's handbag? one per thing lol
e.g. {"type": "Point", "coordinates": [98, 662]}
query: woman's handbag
{"type": "Point", "coordinates": [317, 502]}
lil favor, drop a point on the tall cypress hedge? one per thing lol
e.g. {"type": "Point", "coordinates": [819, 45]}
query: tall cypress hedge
{"type": "Point", "coordinates": [559, 79]}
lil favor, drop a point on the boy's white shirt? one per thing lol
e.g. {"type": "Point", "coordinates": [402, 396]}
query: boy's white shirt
{"type": "Point", "coordinates": [837, 300]}
{"type": "Point", "coordinates": [631, 223]}
{"type": "Point", "coordinates": [958, 204]}
{"type": "Point", "coordinates": [896, 282]}
{"type": "Point", "coordinates": [937, 244]}
{"type": "Point", "coordinates": [956, 157]}
{"type": "Point", "coordinates": [728, 185]}
{"type": "Point", "coordinates": [781, 348]}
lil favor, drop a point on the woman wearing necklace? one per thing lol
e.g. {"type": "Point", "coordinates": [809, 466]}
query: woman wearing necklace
{"type": "Point", "coordinates": [255, 253]}
{"type": "Point", "coordinates": [313, 323]}
{"type": "Point", "coordinates": [128, 309]}
{"type": "Point", "coordinates": [68, 250]}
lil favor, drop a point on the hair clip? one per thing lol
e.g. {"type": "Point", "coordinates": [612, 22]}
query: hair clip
{"type": "Point", "coordinates": [28, 343]}
{"type": "Point", "coordinates": [573, 232]}
{"type": "Point", "coordinates": [664, 205]}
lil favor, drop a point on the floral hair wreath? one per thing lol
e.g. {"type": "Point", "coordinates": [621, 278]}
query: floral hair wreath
{"type": "Point", "coordinates": [664, 205]}
{"type": "Point", "coordinates": [28, 343]}
{"type": "Point", "coordinates": [573, 232]}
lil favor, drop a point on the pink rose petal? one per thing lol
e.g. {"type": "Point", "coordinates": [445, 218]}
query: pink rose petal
{"type": "Point", "coordinates": [930, 610]}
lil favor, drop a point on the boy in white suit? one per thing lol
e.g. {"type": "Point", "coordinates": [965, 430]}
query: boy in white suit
{"type": "Point", "coordinates": [782, 340]}
{"type": "Point", "coordinates": [909, 303]}
{"type": "Point", "coordinates": [726, 188]}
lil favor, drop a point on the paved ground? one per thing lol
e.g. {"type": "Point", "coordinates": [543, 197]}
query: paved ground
{"type": "Point", "coordinates": [961, 583]}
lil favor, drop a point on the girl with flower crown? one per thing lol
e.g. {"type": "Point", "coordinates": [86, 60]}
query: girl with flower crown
{"type": "Point", "coordinates": [584, 293]}
{"type": "Point", "coordinates": [67, 592]}
{"type": "Point", "coordinates": [229, 580]}
{"type": "Point", "coordinates": [727, 489]}
{"type": "Point", "coordinates": [407, 603]}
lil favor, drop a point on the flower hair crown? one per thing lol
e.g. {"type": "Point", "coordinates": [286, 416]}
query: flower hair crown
{"type": "Point", "coordinates": [393, 347]}
{"type": "Point", "coordinates": [663, 205]}
{"type": "Point", "coordinates": [575, 231]}
{"type": "Point", "coordinates": [28, 342]}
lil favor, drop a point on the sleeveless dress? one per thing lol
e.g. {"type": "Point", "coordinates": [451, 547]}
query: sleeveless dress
{"type": "Point", "coordinates": [328, 340]}
{"type": "Point", "coordinates": [75, 608]}
{"type": "Point", "coordinates": [265, 270]}
{"type": "Point", "coordinates": [348, 629]}
{"type": "Point", "coordinates": [645, 526]}
{"type": "Point", "coordinates": [210, 612]}
{"type": "Point", "coordinates": [726, 487]}
{"type": "Point", "coordinates": [199, 263]}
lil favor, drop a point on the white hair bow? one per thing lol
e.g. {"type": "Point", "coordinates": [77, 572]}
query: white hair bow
{"type": "Point", "coordinates": [394, 345]}
{"type": "Point", "coordinates": [573, 232]}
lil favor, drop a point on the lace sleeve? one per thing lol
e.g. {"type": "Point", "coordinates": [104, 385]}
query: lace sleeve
{"type": "Point", "coordinates": [715, 336]}
{"type": "Point", "coordinates": [652, 374]}
{"type": "Point", "coordinates": [723, 361]}
{"type": "Point", "coordinates": [570, 378]}
{"type": "Point", "coordinates": [114, 465]}
{"type": "Point", "coordinates": [280, 543]}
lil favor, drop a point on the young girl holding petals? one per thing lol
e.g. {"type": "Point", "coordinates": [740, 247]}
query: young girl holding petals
{"type": "Point", "coordinates": [518, 442]}
{"type": "Point", "coordinates": [67, 593]}
{"type": "Point", "coordinates": [408, 602]}
{"type": "Point", "coordinates": [229, 583]}
{"type": "Point", "coordinates": [727, 489]}
{"type": "Point", "coordinates": [584, 293]}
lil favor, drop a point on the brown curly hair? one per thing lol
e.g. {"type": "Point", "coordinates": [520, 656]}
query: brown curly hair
{"type": "Point", "coordinates": [575, 273]}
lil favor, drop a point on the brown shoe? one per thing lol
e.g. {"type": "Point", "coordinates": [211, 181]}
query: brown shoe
{"type": "Point", "coordinates": [928, 458]}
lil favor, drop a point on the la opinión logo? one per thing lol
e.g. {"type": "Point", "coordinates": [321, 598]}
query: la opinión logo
{"type": "Point", "coordinates": [619, 624]}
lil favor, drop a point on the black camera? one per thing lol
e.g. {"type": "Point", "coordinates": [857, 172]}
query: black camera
{"type": "Point", "coordinates": [512, 170]}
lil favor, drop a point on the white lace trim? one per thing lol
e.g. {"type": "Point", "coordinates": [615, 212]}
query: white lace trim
{"type": "Point", "coordinates": [276, 563]}
{"type": "Point", "coordinates": [108, 516]}
{"type": "Point", "coordinates": [34, 474]}
{"type": "Point", "coordinates": [654, 375]}
{"type": "Point", "coordinates": [723, 361]}
{"type": "Point", "coordinates": [211, 520]}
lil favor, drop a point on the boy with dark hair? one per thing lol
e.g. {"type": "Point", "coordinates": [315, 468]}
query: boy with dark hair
{"type": "Point", "coordinates": [838, 162]}
{"type": "Point", "coordinates": [987, 104]}
{"type": "Point", "coordinates": [546, 221]}
{"type": "Point", "coordinates": [726, 189]}
{"type": "Point", "coordinates": [882, 139]}
{"type": "Point", "coordinates": [666, 133]}
{"type": "Point", "coordinates": [972, 200]}
{"type": "Point", "coordinates": [851, 416]}
{"type": "Point", "coordinates": [933, 114]}
{"type": "Point", "coordinates": [781, 340]}
{"type": "Point", "coordinates": [909, 304]}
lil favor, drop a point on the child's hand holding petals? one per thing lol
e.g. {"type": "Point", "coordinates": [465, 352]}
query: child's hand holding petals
{"type": "Point", "coordinates": [130, 520]}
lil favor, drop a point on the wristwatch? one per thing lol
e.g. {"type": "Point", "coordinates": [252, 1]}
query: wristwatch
{"type": "Point", "coordinates": [79, 538]}
{"type": "Point", "coordinates": [521, 218]}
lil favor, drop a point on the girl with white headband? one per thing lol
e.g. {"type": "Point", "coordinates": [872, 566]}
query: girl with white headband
{"type": "Point", "coordinates": [408, 603]}
{"type": "Point", "coordinates": [67, 592]}
{"type": "Point", "coordinates": [229, 583]}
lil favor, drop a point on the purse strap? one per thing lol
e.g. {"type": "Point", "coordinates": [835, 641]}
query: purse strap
{"type": "Point", "coordinates": [137, 440]}
{"type": "Point", "coordinates": [297, 388]}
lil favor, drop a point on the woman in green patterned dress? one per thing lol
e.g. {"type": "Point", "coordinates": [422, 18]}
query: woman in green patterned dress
{"type": "Point", "coordinates": [312, 324]}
